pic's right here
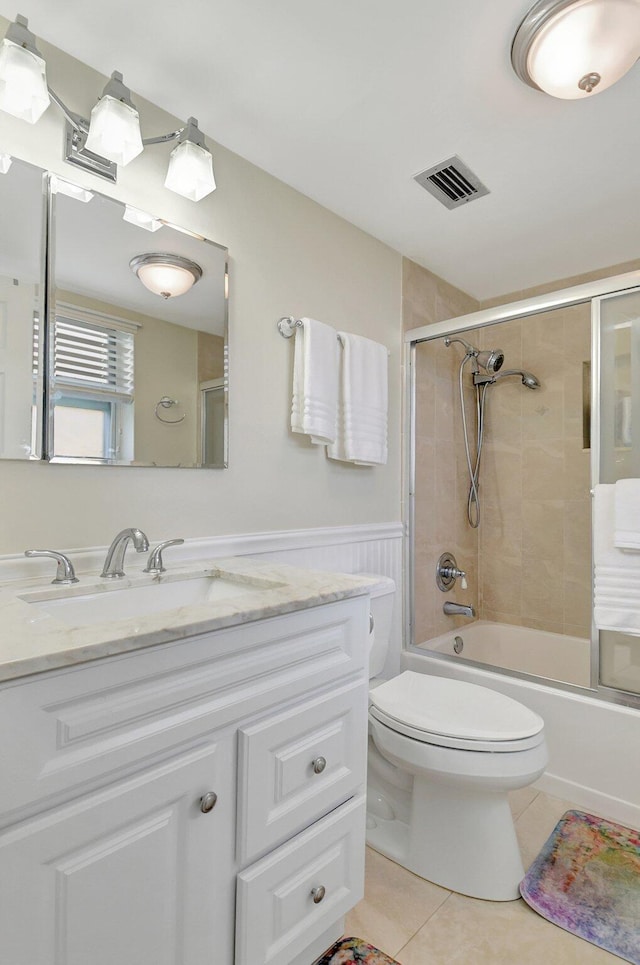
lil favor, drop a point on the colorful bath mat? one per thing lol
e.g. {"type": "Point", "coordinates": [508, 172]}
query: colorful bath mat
{"type": "Point", "coordinates": [586, 879]}
{"type": "Point", "coordinates": [349, 950]}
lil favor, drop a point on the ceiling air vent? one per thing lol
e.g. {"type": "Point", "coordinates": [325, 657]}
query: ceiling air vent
{"type": "Point", "coordinates": [452, 183]}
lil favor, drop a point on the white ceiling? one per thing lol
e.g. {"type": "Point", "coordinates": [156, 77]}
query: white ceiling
{"type": "Point", "coordinates": [347, 99]}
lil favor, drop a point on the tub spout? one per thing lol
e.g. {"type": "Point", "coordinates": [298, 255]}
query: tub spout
{"type": "Point", "coordinates": [458, 610]}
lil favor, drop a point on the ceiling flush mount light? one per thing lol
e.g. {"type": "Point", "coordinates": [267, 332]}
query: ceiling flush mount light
{"type": "Point", "coordinates": [575, 48]}
{"type": "Point", "coordinates": [112, 135]}
{"type": "Point", "coordinates": [164, 274]}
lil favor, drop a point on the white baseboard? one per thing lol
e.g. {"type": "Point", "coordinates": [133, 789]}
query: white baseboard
{"type": "Point", "coordinates": [591, 800]}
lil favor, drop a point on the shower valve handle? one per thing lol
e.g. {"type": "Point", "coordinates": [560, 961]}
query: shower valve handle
{"type": "Point", "coordinates": [447, 573]}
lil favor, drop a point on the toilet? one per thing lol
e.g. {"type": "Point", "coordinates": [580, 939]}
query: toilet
{"type": "Point", "coordinates": [443, 755]}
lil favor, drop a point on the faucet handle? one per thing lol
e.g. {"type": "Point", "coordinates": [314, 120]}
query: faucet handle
{"type": "Point", "coordinates": [154, 563]}
{"type": "Point", "coordinates": [65, 572]}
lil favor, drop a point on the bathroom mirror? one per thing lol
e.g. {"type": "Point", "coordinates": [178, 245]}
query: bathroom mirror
{"type": "Point", "coordinates": [22, 205]}
{"type": "Point", "coordinates": [137, 337]}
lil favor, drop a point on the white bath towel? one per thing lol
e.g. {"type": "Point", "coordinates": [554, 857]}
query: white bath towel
{"type": "Point", "coordinates": [627, 514]}
{"type": "Point", "coordinates": [363, 402]}
{"type": "Point", "coordinates": [616, 572]}
{"type": "Point", "coordinates": [314, 408]}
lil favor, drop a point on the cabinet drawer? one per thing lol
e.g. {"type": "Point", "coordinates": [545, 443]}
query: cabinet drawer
{"type": "Point", "coordinates": [280, 790]}
{"type": "Point", "coordinates": [276, 912]}
{"type": "Point", "coordinates": [72, 727]}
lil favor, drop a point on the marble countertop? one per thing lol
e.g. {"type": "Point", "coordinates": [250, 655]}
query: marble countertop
{"type": "Point", "coordinates": [37, 635]}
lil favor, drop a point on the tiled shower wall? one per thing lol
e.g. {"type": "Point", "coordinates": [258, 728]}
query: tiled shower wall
{"type": "Point", "coordinates": [535, 534]}
{"type": "Point", "coordinates": [529, 561]}
{"type": "Point", "coordinates": [439, 472]}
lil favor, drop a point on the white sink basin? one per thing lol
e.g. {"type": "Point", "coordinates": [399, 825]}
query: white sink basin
{"type": "Point", "coordinates": [126, 603]}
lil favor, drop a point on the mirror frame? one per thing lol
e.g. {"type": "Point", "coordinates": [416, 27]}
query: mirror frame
{"type": "Point", "coordinates": [45, 435]}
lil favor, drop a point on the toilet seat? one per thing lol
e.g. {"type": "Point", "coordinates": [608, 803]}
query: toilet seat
{"type": "Point", "coordinates": [453, 713]}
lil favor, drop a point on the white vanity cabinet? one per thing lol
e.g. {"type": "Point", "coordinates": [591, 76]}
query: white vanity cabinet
{"type": "Point", "coordinates": [113, 848]}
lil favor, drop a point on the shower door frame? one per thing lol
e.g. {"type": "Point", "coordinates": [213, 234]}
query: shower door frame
{"type": "Point", "coordinates": [562, 298]}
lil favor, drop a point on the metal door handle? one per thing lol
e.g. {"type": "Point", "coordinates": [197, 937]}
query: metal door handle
{"type": "Point", "coordinates": [318, 894]}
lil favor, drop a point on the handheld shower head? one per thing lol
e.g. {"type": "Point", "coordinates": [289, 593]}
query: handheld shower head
{"type": "Point", "coordinates": [527, 378]}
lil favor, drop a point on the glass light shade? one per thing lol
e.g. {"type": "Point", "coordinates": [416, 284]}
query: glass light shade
{"type": "Point", "coordinates": [166, 275]}
{"type": "Point", "coordinates": [23, 82]}
{"type": "Point", "coordinates": [190, 171]}
{"type": "Point", "coordinates": [114, 131]}
{"type": "Point", "coordinates": [141, 219]}
{"type": "Point", "coordinates": [588, 37]}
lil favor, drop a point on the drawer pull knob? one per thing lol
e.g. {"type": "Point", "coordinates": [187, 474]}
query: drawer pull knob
{"type": "Point", "coordinates": [318, 894]}
{"type": "Point", "coordinates": [319, 765]}
{"type": "Point", "coordinates": [208, 801]}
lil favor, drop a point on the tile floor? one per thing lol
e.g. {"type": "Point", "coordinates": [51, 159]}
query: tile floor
{"type": "Point", "coordinates": [422, 924]}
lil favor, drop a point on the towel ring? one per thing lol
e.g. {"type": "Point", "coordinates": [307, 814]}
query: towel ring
{"type": "Point", "coordinates": [167, 403]}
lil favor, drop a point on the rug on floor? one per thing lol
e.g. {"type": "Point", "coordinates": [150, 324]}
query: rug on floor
{"type": "Point", "coordinates": [586, 879]}
{"type": "Point", "coordinates": [355, 950]}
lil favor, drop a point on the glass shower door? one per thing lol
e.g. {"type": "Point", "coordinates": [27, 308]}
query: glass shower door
{"type": "Point", "coordinates": [617, 317]}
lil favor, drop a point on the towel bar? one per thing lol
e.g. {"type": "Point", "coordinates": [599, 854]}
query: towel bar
{"type": "Point", "coordinates": [287, 326]}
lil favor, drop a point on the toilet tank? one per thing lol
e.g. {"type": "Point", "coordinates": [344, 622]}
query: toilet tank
{"type": "Point", "coordinates": [382, 597]}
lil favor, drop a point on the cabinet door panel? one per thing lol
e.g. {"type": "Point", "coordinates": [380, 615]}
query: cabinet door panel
{"type": "Point", "coordinates": [119, 876]}
{"type": "Point", "coordinates": [279, 791]}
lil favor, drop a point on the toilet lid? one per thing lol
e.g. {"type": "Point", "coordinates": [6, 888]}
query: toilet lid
{"type": "Point", "coordinates": [454, 708]}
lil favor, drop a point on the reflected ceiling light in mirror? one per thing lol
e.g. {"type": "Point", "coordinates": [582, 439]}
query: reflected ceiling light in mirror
{"type": "Point", "coordinates": [191, 165]}
{"type": "Point", "coordinates": [23, 80]}
{"type": "Point", "coordinates": [5, 163]}
{"type": "Point", "coordinates": [574, 48]}
{"type": "Point", "coordinates": [165, 274]}
{"type": "Point", "coordinates": [141, 219]}
{"type": "Point", "coordinates": [112, 136]}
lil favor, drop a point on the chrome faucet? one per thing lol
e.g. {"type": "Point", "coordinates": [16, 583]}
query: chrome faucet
{"type": "Point", "coordinates": [458, 610]}
{"type": "Point", "coordinates": [113, 564]}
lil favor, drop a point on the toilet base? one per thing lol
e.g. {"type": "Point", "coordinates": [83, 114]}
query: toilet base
{"type": "Point", "coordinates": [454, 865]}
{"type": "Point", "coordinates": [473, 850]}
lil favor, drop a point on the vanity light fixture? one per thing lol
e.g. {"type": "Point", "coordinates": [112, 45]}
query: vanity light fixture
{"type": "Point", "coordinates": [574, 48]}
{"type": "Point", "coordinates": [165, 274]}
{"type": "Point", "coordinates": [111, 136]}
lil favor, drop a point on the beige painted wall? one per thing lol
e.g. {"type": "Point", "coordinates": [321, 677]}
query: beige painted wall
{"type": "Point", "coordinates": [288, 255]}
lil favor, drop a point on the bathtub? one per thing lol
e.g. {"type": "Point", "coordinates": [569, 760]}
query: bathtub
{"type": "Point", "coordinates": [593, 743]}
{"type": "Point", "coordinates": [550, 655]}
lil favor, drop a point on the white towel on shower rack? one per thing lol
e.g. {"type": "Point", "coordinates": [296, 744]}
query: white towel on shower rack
{"type": "Point", "coordinates": [314, 407]}
{"type": "Point", "coordinates": [616, 597]}
{"type": "Point", "coordinates": [363, 402]}
{"type": "Point", "coordinates": [627, 514]}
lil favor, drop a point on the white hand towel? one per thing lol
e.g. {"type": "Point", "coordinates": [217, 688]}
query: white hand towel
{"type": "Point", "coordinates": [616, 573]}
{"type": "Point", "coordinates": [363, 402]}
{"type": "Point", "coordinates": [627, 514]}
{"type": "Point", "coordinates": [314, 409]}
